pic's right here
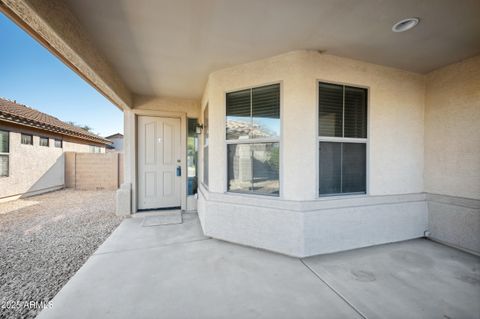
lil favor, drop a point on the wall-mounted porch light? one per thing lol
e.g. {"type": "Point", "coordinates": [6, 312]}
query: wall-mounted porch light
{"type": "Point", "coordinates": [198, 128]}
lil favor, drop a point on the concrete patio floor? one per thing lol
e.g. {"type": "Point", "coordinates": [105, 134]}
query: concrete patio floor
{"type": "Point", "coordinates": [173, 271]}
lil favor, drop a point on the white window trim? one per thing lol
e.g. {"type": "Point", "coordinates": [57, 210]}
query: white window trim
{"type": "Point", "coordinates": [365, 141]}
{"type": "Point", "coordinates": [249, 140]}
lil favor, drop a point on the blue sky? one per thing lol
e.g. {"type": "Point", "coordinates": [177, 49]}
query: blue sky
{"type": "Point", "coordinates": [31, 75]}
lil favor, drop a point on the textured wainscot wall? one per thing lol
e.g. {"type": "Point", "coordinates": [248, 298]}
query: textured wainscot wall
{"type": "Point", "coordinates": [298, 222]}
{"type": "Point", "coordinates": [452, 154]}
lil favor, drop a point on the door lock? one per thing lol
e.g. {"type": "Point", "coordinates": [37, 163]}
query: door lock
{"type": "Point", "coordinates": [179, 171]}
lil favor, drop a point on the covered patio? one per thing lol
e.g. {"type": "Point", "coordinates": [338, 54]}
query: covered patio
{"type": "Point", "coordinates": [174, 271]}
{"type": "Point", "coordinates": [325, 155]}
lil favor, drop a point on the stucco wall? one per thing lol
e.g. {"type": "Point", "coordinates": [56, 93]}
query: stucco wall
{"type": "Point", "coordinates": [167, 104]}
{"type": "Point", "coordinates": [452, 154]}
{"type": "Point", "coordinates": [33, 168]}
{"type": "Point", "coordinates": [395, 123]}
{"type": "Point", "coordinates": [405, 119]}
{"type": "Point", "coordinates": [452, 130]}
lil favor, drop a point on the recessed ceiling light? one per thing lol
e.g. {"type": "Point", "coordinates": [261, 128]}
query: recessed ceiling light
{"type": "Point", "coordinates": [405, 24]}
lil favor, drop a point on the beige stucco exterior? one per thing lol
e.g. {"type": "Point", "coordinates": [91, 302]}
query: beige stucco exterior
{"type": "Point", "coordinates": [34, 169]}
{"type": "Point", "coordinates": [406, 112]}
{"type": "Point", "coordinates": [452, 130]}
{"type": "Point", "coordinates": [396, 102]}
{"type": "Point", "coordinates": [423, 156]}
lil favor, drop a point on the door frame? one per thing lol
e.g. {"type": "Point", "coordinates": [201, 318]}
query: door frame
{"type": "Point", "coordinates": [131, 122]}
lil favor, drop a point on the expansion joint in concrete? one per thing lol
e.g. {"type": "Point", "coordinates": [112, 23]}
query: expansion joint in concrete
{"type": "Point", "coordinates": [334, 290]}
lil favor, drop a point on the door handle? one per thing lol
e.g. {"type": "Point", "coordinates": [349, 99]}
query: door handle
{"type": "Point", "coordinates": [179, 171]}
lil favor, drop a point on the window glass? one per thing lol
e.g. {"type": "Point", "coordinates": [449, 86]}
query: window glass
{"type": "Point", "coordinates": [354, 167]}
{"type": "Point", "coordinates": [240, 167]}
{"type": "Point", "coordinates": [342, 114]}
{"type": "Point", "coordinates": [43, 141]}
{"type": "Point", "coordinates": [27, 139]}
{"type": "Point", "coordinates": [239, 120]}
{"type": "Point", "coordinates": [254, 168]}
{"type": "Point", "coordinates": [253, 114]}
{"type": "Point", "coordinates": [3, 165]}
{"type": "Point", "coordinates": [205, 145]}
{"type": "Point", "coordinates": [95, 149]}
{"type": "Point", "coordinates": [205, 165]}
{"type": "Point", "coordinates": [192, 151]}
{"type": "Point", "coordinates": [58, 143]}
{"type": "Point", "coordinates": [330, 168]}
{"type": "Point", "coordinates": [4, 142]}
{"type": "Point", "coordinates": [330, 110]}
{"type": "Point", "coordinates": [266, 162]}
{"type": "Point", "coordinates": [355, 117]}
{"type": "Point", "coordinates": [266, 111]}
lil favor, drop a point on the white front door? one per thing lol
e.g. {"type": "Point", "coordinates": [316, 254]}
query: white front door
{"type": "Point", "coordinates": [159, 165]}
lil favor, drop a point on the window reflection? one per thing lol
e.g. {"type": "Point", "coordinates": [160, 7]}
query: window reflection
{"type": "Point", "coordinates": [254, 168]}
{"type": "Point", "coordinates": [253, 113]}
{"type": "Point", "coordinates": [192, 155]}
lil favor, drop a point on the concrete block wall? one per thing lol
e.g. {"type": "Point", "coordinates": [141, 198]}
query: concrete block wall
{"type": "Point", "coordinates": [93, 171]}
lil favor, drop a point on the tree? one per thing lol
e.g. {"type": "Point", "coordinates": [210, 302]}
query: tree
{"type": "Point", "coordinates": [83, 127]}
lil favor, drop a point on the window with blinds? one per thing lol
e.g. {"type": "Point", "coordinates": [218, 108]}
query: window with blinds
{"type": "Point", "coordinates": [253, 135]}
{"type": "Point", "coordinates": [254, 113]}
{"type": "Point", "coordinates": [4, 153]}
{"type": "Point", "coordinates": [342, 129]}
{"type": "Point", "coordinates": [27, 139]}
{"type": "Point", "coordinates": [44, 141]}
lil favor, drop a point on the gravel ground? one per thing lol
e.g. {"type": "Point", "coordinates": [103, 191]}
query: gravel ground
{"type": "Point", "coordinates": [44, 240]}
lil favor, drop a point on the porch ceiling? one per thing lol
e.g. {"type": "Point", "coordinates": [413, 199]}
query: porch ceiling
{"type": "Point", "coordinates": [168, 48]}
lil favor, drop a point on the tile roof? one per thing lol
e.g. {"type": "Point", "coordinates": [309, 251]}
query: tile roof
{"type": "Point", "coordinates": [13, 112]}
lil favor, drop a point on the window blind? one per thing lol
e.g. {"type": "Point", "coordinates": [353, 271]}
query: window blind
{"type": "Point", "coordinates": [330, 110]}
{"type": "Point", "coordinates": [4, 142]}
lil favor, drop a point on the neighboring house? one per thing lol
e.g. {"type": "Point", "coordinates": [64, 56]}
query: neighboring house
{"type": "Point", "coordinates": [299, 152]}
{"type": "Point", "coordinates": [32, 146]}
{"type": "Point", "coordinates": [117, 142]}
